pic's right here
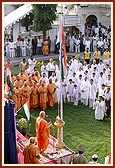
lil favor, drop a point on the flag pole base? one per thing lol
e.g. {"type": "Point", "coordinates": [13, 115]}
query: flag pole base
{"type": "Point", "coordinates": [59, 125]}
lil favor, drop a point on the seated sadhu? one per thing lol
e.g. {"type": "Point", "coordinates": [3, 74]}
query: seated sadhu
{"type": "Point", "coordinates": [31, 153]}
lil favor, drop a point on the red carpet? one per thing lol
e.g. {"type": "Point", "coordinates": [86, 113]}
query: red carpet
{"type": "Point", "coordinates": [54, 154]}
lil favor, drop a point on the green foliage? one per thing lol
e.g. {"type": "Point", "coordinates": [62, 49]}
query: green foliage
{"type": "Point", "coordinates": [22, 123]}
{"type": "Point", "coordinates": [44, 15]}
{"type": "Point", "coordinates": [27, 21]}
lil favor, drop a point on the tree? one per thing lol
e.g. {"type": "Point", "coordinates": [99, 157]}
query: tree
{"type": "Point", "coordinates": [44, 15]}
{"type": "Point", "coordinates": [27, 21]}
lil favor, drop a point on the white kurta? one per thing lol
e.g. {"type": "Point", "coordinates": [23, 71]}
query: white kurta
{"type": "Point", "coordinates": [31, 64]}
{"type": "Point", "coordinates": [85, 91]}
{"type": "Point", "coordinates": [92, 94]}
{"type": "Point", "coordinates": [44, 70]}
{"type": "Point", "coordinates": [75, 96]}
{"type": "Point", "coordinates": [11, 49]}
{"type": "Point", "coordinates": [99, 110]}
{"type": "Point", "coordinates": [57, 92]}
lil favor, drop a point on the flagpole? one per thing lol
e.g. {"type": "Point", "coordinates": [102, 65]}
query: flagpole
{"type": "Point", "coordinates": [61, 98]}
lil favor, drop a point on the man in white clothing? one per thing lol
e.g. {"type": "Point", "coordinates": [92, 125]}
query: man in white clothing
{"type": "Point", "coordinates": [101, 90]}
{"type": "Point", "coordinates": [70, 87]}
{"type": "Point", "coordinates": [71, 42]}
{"type": "Point", "coordinates": [77, 45]}
{"type": "Point", "coordinates": [75, 95]}
{"type": "Point", "coordinates": [79, 85]}
{"type": "Point", "coordinates": [31, 63]}
{"type": "Point", "coordinates": [7, 47]}
{"type": "Point", "coordinates": [95, 159]}
{"type": "Point", "coordinates": [100, 81]}
{"type": "Point", "coordinates": [44, 69]}
{"type": "Point", "coordinates": [87, 44]}
{"type": "Point", "coordinates": [92, 93]}
{"type": "Point", "coordinates": [23, 47]}
{"type": "Point", "coordinates": [57, 92]}
{"type": "Point", "coordinates": [50, 67]}
{"type": "Point", "coordinates": [53, 77]}
{"type": "Point", "coordinates": [99, 107]}
{"type": "Point", "coordinates": [11, 49]}
{"type": "Point", "coordinates": [85, 91]}
{"type": "Point", "coordinates": [44, 79]}
{"type": "Point", "coordinates": [39, 45]}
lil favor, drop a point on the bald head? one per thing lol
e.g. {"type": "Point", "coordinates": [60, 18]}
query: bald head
{"type": "Point", "coordinates": [42, 114]}
{"type": "Point", "coordinates": [32, 140]}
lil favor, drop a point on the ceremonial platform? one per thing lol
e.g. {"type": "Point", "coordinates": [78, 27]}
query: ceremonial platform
{"type": "Point", "coordinates": [54, 154]}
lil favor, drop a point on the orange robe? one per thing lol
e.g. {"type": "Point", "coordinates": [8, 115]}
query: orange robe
{"type": "Point", "coordinates": [42, 133]}
{"type": "Point", "coordinates": [26, 74]}
{"type": "Point", "coordinates": [17, 98]}
{"type": "Point", "coordinates": [30, 83]}
{"type": "Point", "coordinates": [36, 78]}
{"type": "Point", "coordinates": [43, 97]}
{"type": "Point", "coordinates": [18, 152]}
{"type": "Point", "coordinates": [26, 91]}
{"type": "Point", "coordinates": [51, 89]}
{"type": "Point", "coordinates": [18, 83]}
{"type": "Point", "coordinates": [26, 155]}
{"type": "Point", "coordinates": [34, 97]}
{"type": "Point", "coordinates": [13, 79]}
{"type": "Point", "coordinates": [45, 48]}
{"type": "Point", "coordinates": [23, 77]}
{"type": "Point", "coordinates": [31, 154]}
{"type": "Point", "coordinates": [34, 154]}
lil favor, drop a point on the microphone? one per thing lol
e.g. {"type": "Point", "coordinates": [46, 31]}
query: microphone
{"type": "Point", "coordinates": [46, 116]}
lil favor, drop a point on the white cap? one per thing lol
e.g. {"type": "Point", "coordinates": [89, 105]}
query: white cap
{"type": "Point", "coordinates": [94, 156]}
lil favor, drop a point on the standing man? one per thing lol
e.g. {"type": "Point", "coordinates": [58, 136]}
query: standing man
{"type": "Point", "coordinates": [39, 45]}
{"type": "Point", "coordinates": [77, 45]}
{"type": "Point", "coordinates": [87, 55]}
{"type": "Point", "coordinates": [79, 158]}
{"type": "Point", "coordinates": [97, 55]}
{"type": "Point", "coordinates": [92, 93]}
{"type": "Point", "coordinates": [18, 46]}
{"type": "Point", "coordinates": [42, 132]}
{"type": "Point", "coordinates": [34, 45]}
{"type": "Point", "coordinates": [51, 90]}
{"type": "Point", "coordinates": [11, 49]}
{"type": "Point", "coordinates": [23, 47]}
{"type": "Point", "coordinates": [49, 44]}
{"type": "Point", "coordinates": [7, 47]}
{"type": "Point", "coordinates": [43, 98]}
{"type": "Point", "coordinates": [31, 63]}
{"type": "Point", "coordinates": [85, 91]}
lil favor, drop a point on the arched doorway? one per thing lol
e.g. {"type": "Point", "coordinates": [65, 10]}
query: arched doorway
{"type": "Point", "coordinates": [91, 22]}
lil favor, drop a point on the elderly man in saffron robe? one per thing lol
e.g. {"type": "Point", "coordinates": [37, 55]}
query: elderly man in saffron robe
{"type": "Point", "coordinates": [42, 132]}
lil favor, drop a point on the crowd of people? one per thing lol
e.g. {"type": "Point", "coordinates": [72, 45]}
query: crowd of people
{"type": "Point", "coordinates": [24, 46]}
{"type": "Point", "coordinates": [76, 42]}
{"type": "Point", "coordinates": [85, 82]}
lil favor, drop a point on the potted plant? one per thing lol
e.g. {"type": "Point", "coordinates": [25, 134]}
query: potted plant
{"type": "Point", "coordinates": [22, 126]}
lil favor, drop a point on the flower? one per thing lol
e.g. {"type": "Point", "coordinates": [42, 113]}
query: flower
{"type": "Point", "coordinates": [22, 123]}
